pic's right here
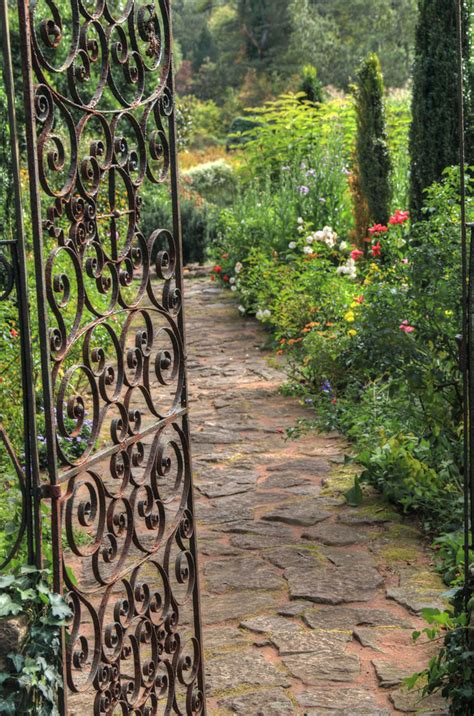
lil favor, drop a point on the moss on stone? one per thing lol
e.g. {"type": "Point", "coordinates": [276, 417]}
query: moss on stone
{"type": "Point", "coordinates": [399, 553]}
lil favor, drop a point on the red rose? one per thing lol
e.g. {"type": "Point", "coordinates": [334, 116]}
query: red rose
{"type": "Point", "coordinates": [225, 278]}
{"type": "Point", "coordinates": [356, 254]}
{"type": "Point", "coordinates": [13, 333]}
{"type": "Point", "coordinates": [378, 229]}
{"type": "Point", "coordinates": [399, 217]}
{"type": "Point", "coordinates": [217, 269]}
{"type": "Point", "coordinates": [376, 250]}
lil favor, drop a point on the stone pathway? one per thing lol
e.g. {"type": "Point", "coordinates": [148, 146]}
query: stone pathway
{"type": "Point", "coordinates": [308, 605]}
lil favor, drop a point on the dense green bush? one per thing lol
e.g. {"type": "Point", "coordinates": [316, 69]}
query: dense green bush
{"type": "Point", "coordinates": [197, 222]}
{"type": "Point", "coordinates": [215, 181]}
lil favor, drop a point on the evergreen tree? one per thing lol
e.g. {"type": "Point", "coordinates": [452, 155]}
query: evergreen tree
{"type": "Point", "coordinates": [311, 85]}
{"type": "Point", "coordinates": [373, 163]}
{"type": "Point", "coordinates": [435, 134]}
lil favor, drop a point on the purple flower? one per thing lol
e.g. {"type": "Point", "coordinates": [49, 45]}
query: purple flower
{"type": "Point", "coordinates": [326, 387]}
{"type": "Point", "coordinates": [311, 173]}
{"type": "Point", "coordinates": [304, 190]}
{"type": "Point", "coordinates": [309, 401]}
{"type": "Point", "coordinates": [322, 199]}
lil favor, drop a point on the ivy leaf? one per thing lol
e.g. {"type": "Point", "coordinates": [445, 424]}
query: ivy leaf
{"type": "Point", "coordinates": [8, 606]}
{"type": "Point", "coordinates": [17, 660]}
{"type": "Point", "coordinates": [59, 608]}
{"type": "Point", "coordinates": [354, 496]}
{"type": "Point", "coordinates": [7, 581]}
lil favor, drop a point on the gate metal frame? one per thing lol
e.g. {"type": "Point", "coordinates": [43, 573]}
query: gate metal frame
{"type": "Point", "coordinates": [143, 460]}
{"type": "Point", "coordinates": [467, 337]}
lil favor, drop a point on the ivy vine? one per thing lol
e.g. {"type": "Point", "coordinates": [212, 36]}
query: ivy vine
{"type": "Point", "coordinates": [31, 679]}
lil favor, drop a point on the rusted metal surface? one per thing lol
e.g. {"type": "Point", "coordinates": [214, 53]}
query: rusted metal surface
{"type": "Point", "coordinates": [100, 126]}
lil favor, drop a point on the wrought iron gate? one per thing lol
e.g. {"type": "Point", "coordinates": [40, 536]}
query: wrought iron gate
{"type": "Point", "coordinates": [115, 487]}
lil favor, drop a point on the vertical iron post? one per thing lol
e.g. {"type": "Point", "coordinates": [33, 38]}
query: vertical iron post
{"type": "Point", "coordinates": [31, 469]}
{"type": "Point", "coordinates": [467, 266]}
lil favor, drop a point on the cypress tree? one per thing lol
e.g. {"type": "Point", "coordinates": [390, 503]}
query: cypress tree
{"type": "Point", "coordinates": [435, 132]}
{"type": "Point", "coordinates": [373, 164]}
{"type": "Point", "coordinates": [311, 85]}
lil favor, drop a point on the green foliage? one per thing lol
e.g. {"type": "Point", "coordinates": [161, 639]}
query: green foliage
{"type": "Point", "coordinates": [32, 677]}
{"type": "Point", "coordinates": [434, 136]}
{"type": "Point", "coordinates": [310, 85]}
{"type": "Point", "coordinates": [451, 671]}
{"type": "Point", "coordinates": [240, 132]}
{"type": "Point", "coordinates": [372, 154]}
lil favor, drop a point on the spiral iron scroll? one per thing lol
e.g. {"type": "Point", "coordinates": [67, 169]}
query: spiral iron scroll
{"type": "Point", "coordinates": [104, 136]}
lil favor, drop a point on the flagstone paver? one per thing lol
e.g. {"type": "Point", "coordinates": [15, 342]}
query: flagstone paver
{"type": "Point", "coordinates": [308, 604]}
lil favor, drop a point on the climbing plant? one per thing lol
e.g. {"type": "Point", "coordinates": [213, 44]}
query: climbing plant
{"type": "Point", "coordinates": [31, 676]}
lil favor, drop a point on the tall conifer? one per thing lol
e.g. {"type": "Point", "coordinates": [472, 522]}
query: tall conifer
{"type": "Point", "coordinates": [435, 131]}
{"type": "Point", "coordinates": [373, 165]}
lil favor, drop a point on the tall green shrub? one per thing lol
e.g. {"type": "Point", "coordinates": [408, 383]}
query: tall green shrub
{"type": "Point", "coordinates": [373, 163]}
{"type": "Point", "coordinates": [434, 135]}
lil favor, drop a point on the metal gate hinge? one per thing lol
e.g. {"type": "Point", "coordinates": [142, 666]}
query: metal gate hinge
{"type": "Point", "coordinates": [49, 492]}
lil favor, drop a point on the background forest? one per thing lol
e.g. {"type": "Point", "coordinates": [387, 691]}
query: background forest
{"type": "Point", "coordinates": [247, 50]}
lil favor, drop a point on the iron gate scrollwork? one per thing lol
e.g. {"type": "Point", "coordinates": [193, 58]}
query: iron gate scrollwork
{"type": "Point", "coordinates": [100, 126]}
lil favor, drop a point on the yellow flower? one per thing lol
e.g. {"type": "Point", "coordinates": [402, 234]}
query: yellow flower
{"type": "Point", "coordinates": [349, 317]}
{"type": "Point", "coordinates": [352, 333]}
{"type": "Point", "coordinates": [448, 313]}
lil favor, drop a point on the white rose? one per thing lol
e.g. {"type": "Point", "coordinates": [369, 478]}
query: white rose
{"type": "Point", "coordinates": [238, 267]}
{"type": "Point", "coordinates": [343, 245]}
{"type": "Point", "coordinates": [300, 220]}
{"type": "Point", "coordinates": [300, 229]}
{"type": "Point", "coordinates": [310, 239]}
{"type": "Point", "coordinates": [319, 235]}
{"type": "Point", "coordinates": [233, 288]}
{"type": "Point", "coordinates": [267, 313]}
{"type": "Point", "coordinates": [292, 245]}
{"type": "Point", "coordinates": [232, 280]}
{"type": "Point", "coordinates": [308, 250]}
{"type": "Point", "coordinates": [341, 270]}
